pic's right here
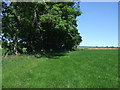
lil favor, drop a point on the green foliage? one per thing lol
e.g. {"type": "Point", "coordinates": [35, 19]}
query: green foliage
{"type": "Point", "coordinates": [40, 26]}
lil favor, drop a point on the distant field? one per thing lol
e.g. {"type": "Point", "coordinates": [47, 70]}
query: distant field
{"type": "Point", "coordinates": [101, 48]}
{"type": "Point", "coordinates": [105, 48]}
{"type": "Point", "coordinates": [76, 69]}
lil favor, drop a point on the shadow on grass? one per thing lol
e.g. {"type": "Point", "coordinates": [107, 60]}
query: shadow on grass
{"type": "Point", "coordinates": [51, 54]}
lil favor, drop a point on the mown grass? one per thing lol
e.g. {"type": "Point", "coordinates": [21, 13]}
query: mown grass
{"type": "Point", "coordinates": [76, 69]}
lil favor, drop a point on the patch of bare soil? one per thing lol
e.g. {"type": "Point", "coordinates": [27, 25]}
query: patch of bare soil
{"type": "Point", "coordinates": [105, 48]}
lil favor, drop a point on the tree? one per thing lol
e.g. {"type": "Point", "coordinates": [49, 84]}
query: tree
{"type": "Point", "coordinates": [40, 26]}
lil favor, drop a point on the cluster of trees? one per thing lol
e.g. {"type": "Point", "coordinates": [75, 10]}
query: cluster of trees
{"type": "Point", "coordinates": [40, 26]}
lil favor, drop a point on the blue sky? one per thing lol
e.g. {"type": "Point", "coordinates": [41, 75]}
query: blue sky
{"type": "Point", "coordinates": [98, 24]}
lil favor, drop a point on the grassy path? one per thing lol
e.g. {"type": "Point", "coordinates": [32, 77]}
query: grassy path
{"type": "Point", "coordinates": [77, 69]}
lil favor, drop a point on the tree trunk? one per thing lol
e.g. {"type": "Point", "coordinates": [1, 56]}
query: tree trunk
{"type": "Point", "coordinates": [15, 42]}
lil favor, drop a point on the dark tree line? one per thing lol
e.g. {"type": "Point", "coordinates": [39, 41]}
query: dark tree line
{"type": "Point", "coordinates": [40, 26]}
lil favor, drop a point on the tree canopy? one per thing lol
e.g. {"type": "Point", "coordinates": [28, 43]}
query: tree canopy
{"type": "Point", "coordinates": [40, 26]}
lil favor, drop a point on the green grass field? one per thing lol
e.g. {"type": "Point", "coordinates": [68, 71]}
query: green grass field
{"type": "Point", "coordinates": [76, 69]}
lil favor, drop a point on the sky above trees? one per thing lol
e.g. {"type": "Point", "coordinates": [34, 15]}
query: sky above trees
{"type": "Point", "coordinates": [98, 23]}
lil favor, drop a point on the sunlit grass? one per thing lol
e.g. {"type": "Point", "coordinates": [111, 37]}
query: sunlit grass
{"type": "Point", "coordinates": [76, 69]}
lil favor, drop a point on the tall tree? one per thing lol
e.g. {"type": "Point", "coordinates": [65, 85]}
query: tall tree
{"type": "Point", "coordinates": [40, 26]}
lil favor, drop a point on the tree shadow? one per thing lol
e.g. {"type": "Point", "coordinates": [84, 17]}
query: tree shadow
{"type": "Point", "coordinates": [51, 54]}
